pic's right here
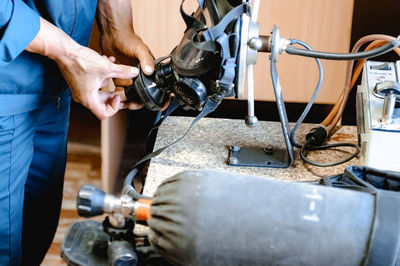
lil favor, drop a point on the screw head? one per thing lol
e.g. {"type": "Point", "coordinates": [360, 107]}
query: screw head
{"type": "Point", "coordinates": [233, 160]}
{"type": "Point", "coordinates": [269, 150]}
{"type": "Point", "coordinates": [234, 148]}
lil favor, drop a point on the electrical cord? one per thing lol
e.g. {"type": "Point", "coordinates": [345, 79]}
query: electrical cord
{"type": "Point", "coordinates": [316, 137]}
{"type": "Point", "coordinates": [307, 147]}
{"type": "Point", "coordinates": [314, 95]}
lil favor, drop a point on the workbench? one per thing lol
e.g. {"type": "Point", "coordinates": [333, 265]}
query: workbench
{"type": "Point", "coordinates": [207, 147]}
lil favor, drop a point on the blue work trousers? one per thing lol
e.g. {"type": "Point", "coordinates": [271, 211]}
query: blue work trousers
{"type": "Point", "coordinates": [32, 166]}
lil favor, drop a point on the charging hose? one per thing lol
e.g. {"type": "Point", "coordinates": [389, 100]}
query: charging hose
{"type": "Point", "coordinates": [345, 56]}
{"type": "Point", "coordinates": [128, 188]}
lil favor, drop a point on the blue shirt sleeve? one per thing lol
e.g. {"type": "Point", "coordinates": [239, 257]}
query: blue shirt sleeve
{"type": "Point", "coordinates": [19, 25]}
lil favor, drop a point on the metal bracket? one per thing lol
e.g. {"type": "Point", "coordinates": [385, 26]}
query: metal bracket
{"type": "Point", "coordinates": [258, 157]}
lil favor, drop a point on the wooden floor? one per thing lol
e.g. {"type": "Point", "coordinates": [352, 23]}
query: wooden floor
{"type": "Point", "coordinates": [83, 166]}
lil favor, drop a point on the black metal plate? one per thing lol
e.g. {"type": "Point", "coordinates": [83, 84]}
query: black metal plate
{"type": "Point", "coordinates": [259, 157]}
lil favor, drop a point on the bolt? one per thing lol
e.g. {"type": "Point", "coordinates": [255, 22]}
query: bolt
{"type": "Point", "coordinates": [233, 160]}
{"type": "Point", "coordinates": [269, 150]}
{"type": "Point", "coordinates": [251, 121]}
{"type": "Point", "coordinates": [234, 148]}
{"type": "Point", "coordinates": [255, 43]}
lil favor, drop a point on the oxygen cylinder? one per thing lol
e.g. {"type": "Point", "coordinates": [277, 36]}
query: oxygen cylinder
{"type": "Point", "coordinates": [219, 218]}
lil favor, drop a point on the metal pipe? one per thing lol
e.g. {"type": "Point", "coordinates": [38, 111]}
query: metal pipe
{"type": "Point", "coordinates": [251, 119]}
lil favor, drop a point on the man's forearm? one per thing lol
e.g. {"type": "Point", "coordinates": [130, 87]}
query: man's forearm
{"type": "Point", "coordinates": [118, 37]}
{"type": "Point", "coordinates": [51, 42]}
{"type": "Point", "coordinates": [111, 14]}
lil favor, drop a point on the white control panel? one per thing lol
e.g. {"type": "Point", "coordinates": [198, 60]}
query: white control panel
{"type": "Point", "coordinates": [378, 115]}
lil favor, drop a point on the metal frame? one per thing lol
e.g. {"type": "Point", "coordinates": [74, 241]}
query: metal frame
{"type": "Point", "coordinates": [269, 157]}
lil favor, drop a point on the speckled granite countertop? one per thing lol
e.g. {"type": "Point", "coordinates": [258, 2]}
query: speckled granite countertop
{"type": "Point", "coordinates": [207, 147]}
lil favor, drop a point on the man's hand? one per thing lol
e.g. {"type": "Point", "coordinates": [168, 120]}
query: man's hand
{"type": "Point", "coordinates": [117, 36]}
{"type": "Point", "coordinates": [84, 69]}
{"type": "Point", "coordinates": [86, 72]}
{"type": "Point", "coordinates": [119, 40]}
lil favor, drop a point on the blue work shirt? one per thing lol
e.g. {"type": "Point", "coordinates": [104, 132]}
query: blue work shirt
{"type": "Point", "coordinates": [28, 80]}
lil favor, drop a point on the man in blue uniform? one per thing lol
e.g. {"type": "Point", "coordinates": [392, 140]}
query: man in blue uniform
{"type": "Point", "coordinates": [43, 61]}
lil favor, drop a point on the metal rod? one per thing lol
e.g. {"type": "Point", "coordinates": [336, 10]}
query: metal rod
{"type": "Point", "coordinates": [388, 108]}
{"type": "Point", "coordinates": [251, 119]}
{"type": "Point", "coordinates": [250, 90]}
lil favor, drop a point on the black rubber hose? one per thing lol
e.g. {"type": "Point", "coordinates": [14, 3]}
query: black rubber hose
{"type": "Point", "coordinates": [128, 187]}
{"type": "Point", "coordinates": [130, 176]}
{"type": "Point", "coordinates": [344, 56]}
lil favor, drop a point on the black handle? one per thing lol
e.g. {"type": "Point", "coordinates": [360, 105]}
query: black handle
{"type": "Point", "coordinates": [90, 201]}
